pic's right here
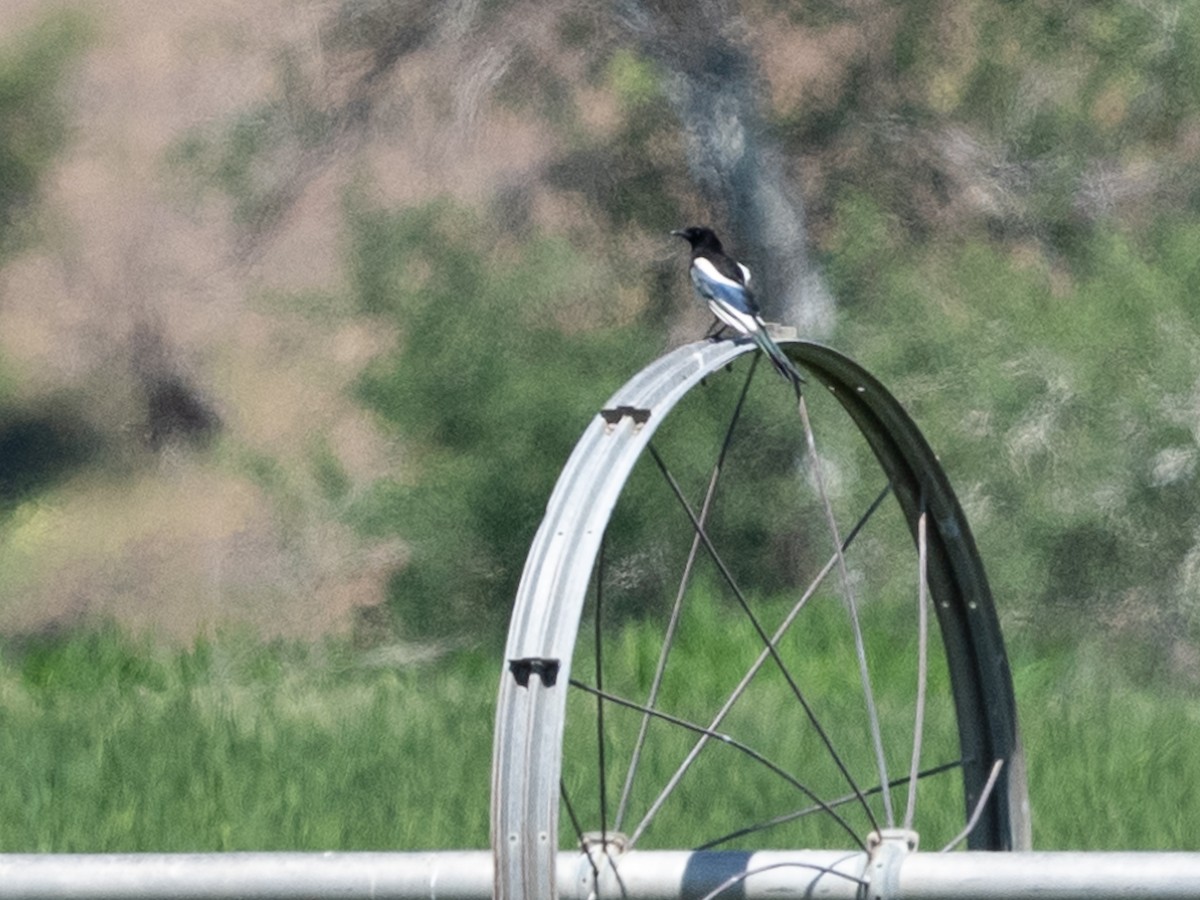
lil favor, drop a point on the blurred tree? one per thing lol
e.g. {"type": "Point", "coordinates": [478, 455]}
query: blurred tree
{"type": "Point", "coordinates": [37, 446]}
{"type": "Point", "coordinates": [33, 121]}
{"type": "Point", "coordinates": [714, 88]}
{"type": "Point", "coordinates": [491, 387]}
{"type": "Point", "coordinates": [1013, 121]}
{"type": "Point", "coordinates": [1002, 196]}
{"type": "Point", "coordinates": [1065, 413]}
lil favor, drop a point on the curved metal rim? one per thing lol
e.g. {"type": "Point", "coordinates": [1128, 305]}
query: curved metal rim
{"type": "Point", "coordinates": [529, 718]}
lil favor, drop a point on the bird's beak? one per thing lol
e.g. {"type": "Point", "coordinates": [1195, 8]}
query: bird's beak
{"type": "Point", "coordinates": [678, 232]}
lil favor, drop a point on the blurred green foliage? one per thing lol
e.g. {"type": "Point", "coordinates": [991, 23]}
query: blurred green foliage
{"type": "Point", "coordinates": [1064, 408]}
{"type": "Point", "coordinates": [259, 162]}
{"type": "Point", "coordinates": [115, 746]}
{"type": "Point", "coordinates": [495, 379]}
{"type": "Point", "coordinates": [37, 446]}
{"type": "Point", "coordinates": [1046, 119]}
{"type": "Point", "coordinates": [33, 120]}
{"type": "Point", "coordinates": [634, 81]}
{"type": "Point", "coordinates": [1009, 230]}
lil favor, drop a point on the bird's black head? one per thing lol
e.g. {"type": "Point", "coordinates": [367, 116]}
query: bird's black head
{"type": "Point", "coordinates": [700, 237]}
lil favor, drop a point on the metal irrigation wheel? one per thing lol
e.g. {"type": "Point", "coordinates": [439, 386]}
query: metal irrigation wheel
{"type": "Point", "coordinates": [681, 673]}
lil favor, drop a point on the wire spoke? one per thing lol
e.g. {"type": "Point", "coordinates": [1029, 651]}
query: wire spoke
{"type": "Point", "coordinates": [993, 776]}
{"type": "Point", "coordinates": [726, 740]}
{"type": "Point", "coordinates": [811, 810]}
{"type": "Point", "coordinates": [769, 651]}
{"type": "Point", "coordinates": [579, 834]}
{"type": "Point", "coordinates": [922, 662]}
{"type": "Point", "coordinates": [740, 877]}
{"type": "Point", "coordinates": [684, 581]}
{"type": "Point", "coordinates": [844, 576]}
{"type": "Point", "coordinates": [599, 670]}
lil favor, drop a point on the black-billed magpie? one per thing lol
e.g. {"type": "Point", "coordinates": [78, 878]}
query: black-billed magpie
{"type": "Point", "coordinates": [724, 284]}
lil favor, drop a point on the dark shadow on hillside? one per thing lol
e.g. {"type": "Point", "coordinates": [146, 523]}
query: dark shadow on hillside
{"type": "Point", "coordinates": [39, 448]}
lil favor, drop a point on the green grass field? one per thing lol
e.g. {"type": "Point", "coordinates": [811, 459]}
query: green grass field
{"type": "Point", "coordinates": [109, 745]}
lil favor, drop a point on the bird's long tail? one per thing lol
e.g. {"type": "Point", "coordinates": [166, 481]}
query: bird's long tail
{"type": "Point", "coordinates": [779, 360]}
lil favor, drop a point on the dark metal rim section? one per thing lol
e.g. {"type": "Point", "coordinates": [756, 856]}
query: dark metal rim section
{"type": "Point", "coordinates": [979, 671]}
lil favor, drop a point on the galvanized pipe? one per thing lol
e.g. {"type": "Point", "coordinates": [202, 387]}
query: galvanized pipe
{"type": "Point", "coordinates": [454, 875]}
{"type": "Point", "coordinates": [643, 875]}
{"type": "Point", "coordinates": [1050, 876]}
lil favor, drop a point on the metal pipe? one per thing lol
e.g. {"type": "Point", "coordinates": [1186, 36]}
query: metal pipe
{"type": "Point", "coordinates": [644, 875]}
{"type": "Point", "coordinates": [1050, 876]}
{"type": "Point", "coordinates": [763, 875]}
{"type": "Point", "coordinates": [454, 875]}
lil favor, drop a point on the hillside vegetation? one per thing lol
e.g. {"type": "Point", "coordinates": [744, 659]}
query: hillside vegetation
{"type": "Point", "coordinates": [1000, 201]}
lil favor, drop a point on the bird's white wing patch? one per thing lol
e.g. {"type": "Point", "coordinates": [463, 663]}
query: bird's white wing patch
{"type": "Point", "coordinates": [746, 323]}
{"type": "Point", "coordinates": [709, 271]}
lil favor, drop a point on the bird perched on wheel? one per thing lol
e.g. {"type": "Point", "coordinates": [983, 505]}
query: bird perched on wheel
{"type": "Point", "coordinates": [724, 284]}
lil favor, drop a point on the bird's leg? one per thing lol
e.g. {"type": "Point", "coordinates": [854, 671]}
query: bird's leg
{"type": "Point", "coordinates": [716, 330]}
